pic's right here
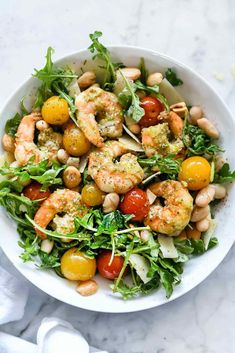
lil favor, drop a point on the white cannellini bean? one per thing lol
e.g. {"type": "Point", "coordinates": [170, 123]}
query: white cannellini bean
{"type": "Point", "coordinates": [208, 127]}
{"type": "Point", "coordinates": [199, 213]}
{"type": "Point", "coordinates": [132, 73]}
{"type": "Point", "coordinates": [8, 143]}
{"type": "Point", "coordinates": [73, 161]}
{"type": "Point", "coordinates": [42, 125]}
{"type": "Point", "coordinates": [62, 156]}
{"type": "Point", "coordinates": [86, 288]}
{"type": "Point", "coordinates": [204, 224]}
{"type": "Point", "coordinates": [195, 113]}
{"type": "Point", "coordinates": [87, 79]}
{"type": "Point", "coordinates": [205, 196]}
{"type": "Point", "coordinates": [220, 191]}
{"type": "Point", "coordinates": [47, 245]}
{"type": "Point", "coordinates": [111, 202]}
{"type": "Point", "coordinates": [145, 235]}
{"type": "Point", "coordinates": [219, 162]}
{"type": "Point", "coordinates": [154, 79]}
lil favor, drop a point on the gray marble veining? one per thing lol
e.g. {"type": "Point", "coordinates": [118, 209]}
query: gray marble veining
{"type": "Point", "coordinates": [196, 32]}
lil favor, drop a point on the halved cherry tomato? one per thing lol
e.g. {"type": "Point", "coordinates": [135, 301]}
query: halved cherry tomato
{"type": "Point", "coordinates": [152, 107]}
{"type": "Point", "coordinates": [33, 192]}
{"type": "Point", "coordinates": [135, 202]}
{"type": "Point", "coordinates": [109, 271]}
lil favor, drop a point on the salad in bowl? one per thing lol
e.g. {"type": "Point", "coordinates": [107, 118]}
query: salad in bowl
{"type": "Point", "coordinates": [111, 171]}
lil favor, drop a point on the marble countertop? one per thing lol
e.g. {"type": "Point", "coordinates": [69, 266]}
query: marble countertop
{"type": "Point", "coordinates": [196, 32]}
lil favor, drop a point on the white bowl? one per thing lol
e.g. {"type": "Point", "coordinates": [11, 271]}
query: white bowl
{"type": "Point", "coordinates": [195, 90]}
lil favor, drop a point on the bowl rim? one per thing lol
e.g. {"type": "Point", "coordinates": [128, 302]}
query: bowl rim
{"type": "Point", "coordinates": [145, 305]}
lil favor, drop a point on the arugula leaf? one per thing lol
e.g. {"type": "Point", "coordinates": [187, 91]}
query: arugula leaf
{"type": "Point", "coordinates": [52, 77]}
{"type": "Point", "coordinates": [154, 90]}
{"type": "Point", "coordinates": [194, 247]}
{"type": "Point", "coordinates": [50, 176]}
{"type": "Point", "coordinates": [131, 101]}
{"type": "Point", "coordinates": [166, 165]}
{"type": "Point", "coordinates": [148, 89]}
{"type": "Point", "coordinates": [51, 260]}
{"type": "Point", "coordinates": [113, 221]}
{"type": "Point", "coordinates": [102, 53]}
{"type": "Point", "coordinates": [171, 76]}
{"type": "Point", "coordinates": [128, 291]}
{"type": "Point", "coordinates": [197, 141]}
{"type": "Point", "coordinates": [143, 70]}
{"type": "Point", "coordinates": [212, 243]}
{"type": "Point", "coordinates": [167, 280]}
{"type": "Point", "coordinates": [17, 206]}
{"type": "Point", "coordinates": [31, 249]}
{"type": "Point", "coordinates": [12, 125]}
{"type": "Point", "coordinates": [43, 172]}
{"type": "Point", "coordinates": [168, 264]}
{"type": "Point", "coordinates": [224, 175]}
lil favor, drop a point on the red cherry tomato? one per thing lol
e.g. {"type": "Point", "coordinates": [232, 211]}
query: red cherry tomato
{"type": "Point", "coordinates": [33, 192]}
{"type": "Point", "coordinates": [152, 107]}
{"type": "Point", "coordinates": [109, 271]}
{"type": "Point", "coordinates": [135, 202]}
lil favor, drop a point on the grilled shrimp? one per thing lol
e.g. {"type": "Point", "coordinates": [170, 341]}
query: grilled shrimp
{"type": "Point", "coordinates": [173, 217]}
{"type": "Point", "coordinates": [62, 200]}
{"type": "Point", "coordinates": [112, 176]}
{"type": "Point", "coordinates": [49, 142]}
{"type": "Point", "coordinates": [96, 104]}
{"type": "Point", "coordinates": [157, 138]}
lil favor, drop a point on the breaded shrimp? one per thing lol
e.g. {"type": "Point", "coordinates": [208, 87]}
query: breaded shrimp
{"type": "Point", "coordinates": [156, 139]}
{"type": "Point", "coordinates": [173, 217]}
{"type": "Point", "coordinates": [96, 104]}
{"type": "Point", "coordinates": [62, 200]}
{"type": "Point", "coordinates": [110, 176]}
{"type": "Point", "coordinates": [49, 142]}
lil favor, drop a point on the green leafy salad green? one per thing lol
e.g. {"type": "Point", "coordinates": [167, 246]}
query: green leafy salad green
{"type": "Point", "coordinates": [132, 218]}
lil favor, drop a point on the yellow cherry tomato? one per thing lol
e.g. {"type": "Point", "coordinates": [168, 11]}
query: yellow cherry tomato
{"type": "Point", "coordinates": [75, 266]}
{"type": "Point", "coordinates": [74, 141]}
{"type": "Point", "coordinates": [92, 195]}
{"type": "Point", "coordinates": [195, 171]}
{"type": "Point", "coordinates": [55, 111]}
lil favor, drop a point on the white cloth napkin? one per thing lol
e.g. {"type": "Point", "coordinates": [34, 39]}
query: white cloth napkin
{"type": "Point", "coordinates": [54, 335]}
{"type": "Point", "coordinates": [13, 297]}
